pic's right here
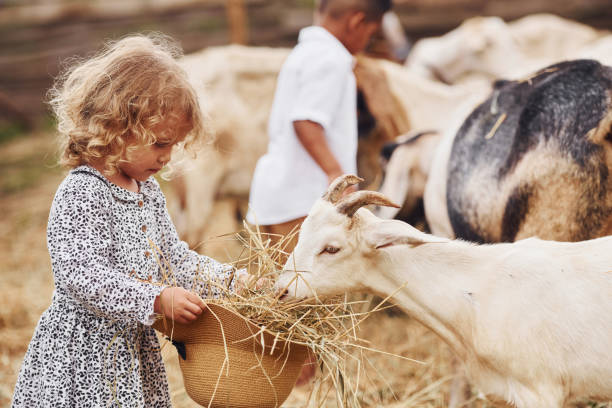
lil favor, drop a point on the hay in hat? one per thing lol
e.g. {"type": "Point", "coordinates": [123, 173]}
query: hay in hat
{"type": "Point", "coordinates": [328, 330]}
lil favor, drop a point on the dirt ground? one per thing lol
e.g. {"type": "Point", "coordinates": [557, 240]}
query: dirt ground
{"type": "Point", "coordinates": [27, 185]}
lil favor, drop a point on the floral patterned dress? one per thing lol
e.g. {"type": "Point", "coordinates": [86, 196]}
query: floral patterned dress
{"type": "Point", "coordinates": [109, 248]}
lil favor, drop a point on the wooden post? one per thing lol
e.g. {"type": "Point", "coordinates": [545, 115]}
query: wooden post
{"type": "Point", "coordinates": [238, 21]}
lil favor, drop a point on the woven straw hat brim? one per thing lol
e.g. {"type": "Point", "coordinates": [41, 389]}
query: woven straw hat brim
{"type": "Point", "coordinates": [226, 364]}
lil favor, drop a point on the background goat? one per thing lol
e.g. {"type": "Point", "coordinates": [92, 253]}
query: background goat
{"type": "Point", "coordinates": [533, 159]}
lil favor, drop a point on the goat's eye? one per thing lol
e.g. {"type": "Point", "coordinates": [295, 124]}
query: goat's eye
{"type": "Point", "coordinates": [330, 249]}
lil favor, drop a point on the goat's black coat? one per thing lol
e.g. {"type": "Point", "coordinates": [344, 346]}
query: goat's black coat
{"type": "Point", "coordinates": [552, 112]}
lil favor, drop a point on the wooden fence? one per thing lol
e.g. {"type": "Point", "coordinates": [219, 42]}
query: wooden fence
{"type": "Point", "coordinates": [36, 35]}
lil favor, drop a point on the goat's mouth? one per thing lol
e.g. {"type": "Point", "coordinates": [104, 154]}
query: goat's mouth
{"type": "Point", "coordinates": [283, 294]}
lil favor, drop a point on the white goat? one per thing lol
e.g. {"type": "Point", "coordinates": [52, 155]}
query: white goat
{"type": "Point", "coordinates": [531, 320]}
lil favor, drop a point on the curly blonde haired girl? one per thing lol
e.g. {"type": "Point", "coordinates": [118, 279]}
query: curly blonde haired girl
{"type": "Point", "coordinates": [110, 237]}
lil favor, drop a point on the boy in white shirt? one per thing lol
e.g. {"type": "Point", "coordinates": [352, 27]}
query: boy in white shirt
{"type": "Point", "coordinates": [313, 122]}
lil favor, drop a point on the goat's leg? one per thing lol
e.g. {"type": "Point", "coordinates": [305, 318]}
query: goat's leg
{"type": "Point", "coordinates": [608, 229]}
{"type": "Point", "coordinates": [539, 396]}
{"type": "Point", "coordinates": [196, 196]}
{"type": "Point", "coordinates": [460, 391]}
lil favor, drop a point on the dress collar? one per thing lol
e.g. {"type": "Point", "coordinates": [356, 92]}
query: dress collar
{"type": "Point", "coordinates": [146, 187]}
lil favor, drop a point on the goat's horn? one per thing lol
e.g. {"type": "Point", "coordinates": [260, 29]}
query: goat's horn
{"type": "Point", "coordinates": [337, 187]}
{"type": "Point", "coordinates": [355, 201]}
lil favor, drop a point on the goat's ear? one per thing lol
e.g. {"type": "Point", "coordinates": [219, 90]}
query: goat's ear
{"type": "Point", "coordinates": [391, 232]}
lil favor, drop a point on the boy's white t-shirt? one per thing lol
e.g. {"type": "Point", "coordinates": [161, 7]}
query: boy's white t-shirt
{"type": "Point", "coordinates": [316, 83]}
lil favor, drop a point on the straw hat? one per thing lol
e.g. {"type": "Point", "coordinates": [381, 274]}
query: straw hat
{"type": "Point", "coordinates": [238, 372]}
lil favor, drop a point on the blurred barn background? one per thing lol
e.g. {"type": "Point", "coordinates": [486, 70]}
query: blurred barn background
{"type": "Point", "coordinates": [36, 35]}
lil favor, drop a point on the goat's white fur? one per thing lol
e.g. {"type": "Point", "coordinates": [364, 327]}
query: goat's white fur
{"type": "Point", "coordinates": [531, 320]}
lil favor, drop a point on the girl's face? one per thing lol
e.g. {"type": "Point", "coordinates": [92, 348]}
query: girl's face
{"type": "Point", "coordinates": [146, 160]}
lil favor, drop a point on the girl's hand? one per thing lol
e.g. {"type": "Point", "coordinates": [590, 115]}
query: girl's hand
{"type": "Point", "coordinates": [179, 305]}
{"type": "Point", "coordinates": [245, 282]}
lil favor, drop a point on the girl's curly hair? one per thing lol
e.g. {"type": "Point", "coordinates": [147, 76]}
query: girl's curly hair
{"type": "Point", "coordinates": [110, 102]}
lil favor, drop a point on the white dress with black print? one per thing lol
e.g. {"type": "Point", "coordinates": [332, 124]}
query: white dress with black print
{"type": "Point", "coordinates": [93, 346]}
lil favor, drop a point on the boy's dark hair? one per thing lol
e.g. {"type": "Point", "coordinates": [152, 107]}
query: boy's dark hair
{"type": "Point", "coordinates": [373, 9]}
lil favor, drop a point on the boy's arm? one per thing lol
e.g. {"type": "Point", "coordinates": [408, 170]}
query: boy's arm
{"type": "Point", "coordinates": [312, 136]}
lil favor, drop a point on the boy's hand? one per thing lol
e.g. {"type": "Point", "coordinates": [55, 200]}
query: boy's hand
{"type": "Point", "coordinates": [179, 305]}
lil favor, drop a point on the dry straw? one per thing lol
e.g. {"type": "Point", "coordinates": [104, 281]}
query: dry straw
{"type": "Point", "coordinates": [328, 330]}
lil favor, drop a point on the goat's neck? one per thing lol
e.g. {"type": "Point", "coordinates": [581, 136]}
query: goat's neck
{"type": "Point", "coordinates": [435, 283]}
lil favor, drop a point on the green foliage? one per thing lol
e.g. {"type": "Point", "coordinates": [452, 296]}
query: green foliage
{"type": "Point", "coordinates": [25, 172]}
{"type": "Point", "coordinates": [26, 159]}
{"type": "Point", "coordinates": [10, 130]}
{"type": "Point", "coordinates": [210, 24]}
{"type": "Point", "coordinates": [306, 3]}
